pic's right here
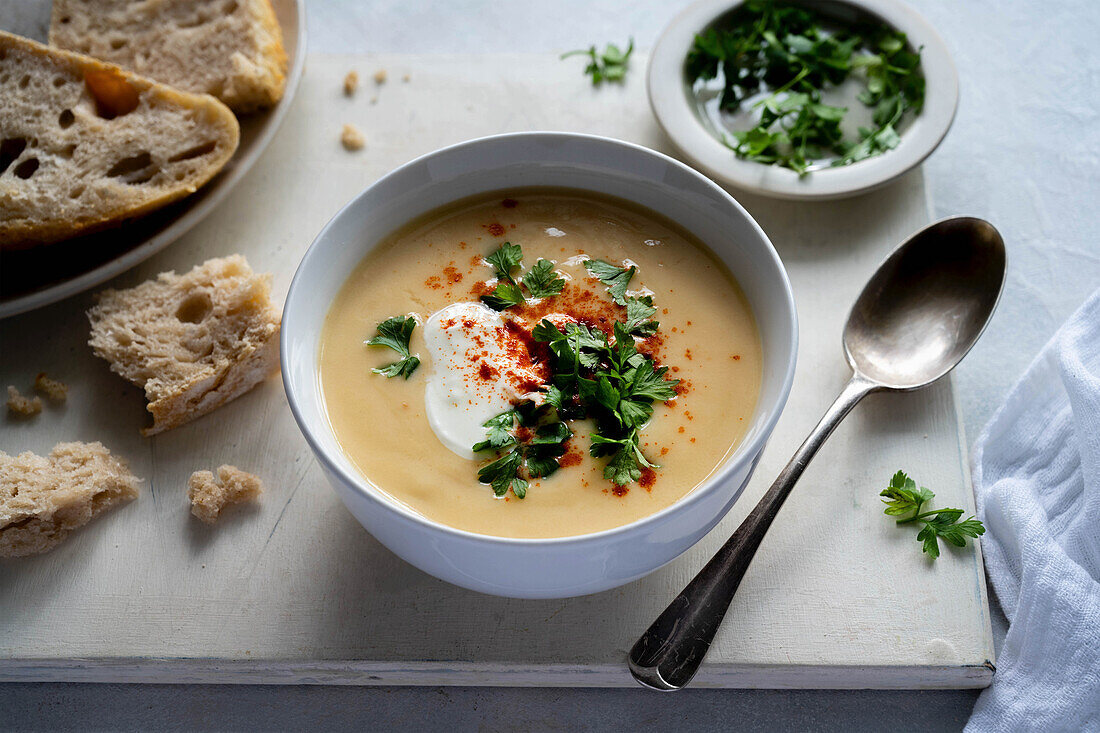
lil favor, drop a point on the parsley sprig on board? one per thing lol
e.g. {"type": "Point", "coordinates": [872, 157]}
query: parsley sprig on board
{"type": "Point", "coordinates": [541, 281]}
{"type": "Point", "coordinates": [789, 50]}
{"type": "Point", "coordinates": [607, 66]}
{"type": "Point", "coordinates": [902, 497]}
{"type": "Point", "coordinates": [394, 333]}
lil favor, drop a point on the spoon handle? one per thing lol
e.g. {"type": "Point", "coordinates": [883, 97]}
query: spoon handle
{"type": "Point", "coordinates": [668, 654]}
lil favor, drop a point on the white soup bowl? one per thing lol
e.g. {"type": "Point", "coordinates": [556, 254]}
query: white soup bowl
{"type": "Point", "coordinates": [565, 566]}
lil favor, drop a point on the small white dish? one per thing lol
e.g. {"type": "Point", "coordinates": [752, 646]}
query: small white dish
{"type": "Point", "coordinates": [671, 98]}
{"type": "Point", "coordinates": [557, 567]}
{"type": "Point", "coordinates": [93, 259]}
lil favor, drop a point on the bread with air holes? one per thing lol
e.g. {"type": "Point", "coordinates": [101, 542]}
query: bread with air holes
{"type": "Point", "coordinates": [232, 49]}
{"type": "Point", "coordinates": [85, 145]}
{"type": "Point", "coordinates": [43, 499]}
{"type": "Point", "coordinates": [193, 341]}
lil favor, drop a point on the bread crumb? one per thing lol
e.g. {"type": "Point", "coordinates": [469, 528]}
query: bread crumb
{"type": "Point", "coordinates": [351, 138]}
{"type": "Point", "coordinates": [55, 390]}
{"type": "Point", "coordinates": [351, 82]}
{"type": "Point", "coordinates": [374, 100]}
{"type": "Point", "coordinates": [406, 78]}
{"type": "Point", "coordinates": [21, 406]}
{"type": "Point", "coordinates": [209, 495]}
{"type": "Point", "coordinates": [380, 76]}
{"type": "Point", "coordinates": [43, 499]}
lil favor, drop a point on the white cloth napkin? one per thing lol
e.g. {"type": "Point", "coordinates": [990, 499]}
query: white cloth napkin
{"type": "Point", "coordinates": [1037, 483]}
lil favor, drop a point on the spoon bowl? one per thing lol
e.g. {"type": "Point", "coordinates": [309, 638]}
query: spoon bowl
{"type": "Point", "coordinates": [927, 304]}
{"type": "Point", "coordinates": [917, 317]}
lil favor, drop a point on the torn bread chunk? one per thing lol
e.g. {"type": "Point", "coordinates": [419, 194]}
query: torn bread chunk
{"type": "Point", "coordinates": [54, 389]}
{"type": "Point", "coordinates": [21, 406]}
{"type": "Point", "coordinates": [210, 494]}
{"type": "Point", "coordinates": [193, 342]}
{"type": "Point", "coordinates": [232, 49]}
{"type": "Point", "coordinates": [44, 499]}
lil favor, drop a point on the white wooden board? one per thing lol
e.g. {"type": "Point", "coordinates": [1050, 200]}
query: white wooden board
{"type": "Point", "coordinates": [296, 591]}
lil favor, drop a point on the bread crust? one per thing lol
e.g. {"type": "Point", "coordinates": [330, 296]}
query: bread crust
{"type": "Point", "coordinates": [232, 49]}
{"type": "Point", "coordinates": [23, 224]}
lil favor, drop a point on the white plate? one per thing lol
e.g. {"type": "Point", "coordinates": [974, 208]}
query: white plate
{"type": "Point", "coordinates": [671, 98]}
{"type": "Point", "coordinates": [84, 262]}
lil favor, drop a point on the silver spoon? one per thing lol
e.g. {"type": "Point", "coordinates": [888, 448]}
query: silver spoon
{"type": "Point", "coordinates": [916, 318]}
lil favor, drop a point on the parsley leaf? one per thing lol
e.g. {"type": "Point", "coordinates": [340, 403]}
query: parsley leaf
{"type": "Point", "coordinates": [543, 450]}
{"type": "Point", "coordinates": [504, 296]}
{"type": "Point", "coordinates": [627, 459]}
{"type": "Point", "coordinates": [638, 314]}
{"type": "Point", "coordinates": [542, 281]}
{"type": "Point", "coordinates": [615, 278]}
{"type": "Point", "coordinates": [608, 66]}
{"type": "Point", "coordinates": [394, 333]}
{"type": "Point", "coordinates": [502, 474]}
{"type": "Point", "coordinates": [505, 259]}
{"type": "Point", "coordinates": [622, 469]}
{"type": "Point", "coordinates": [902, 496]}
{"type": "Point", "coordinates": [646, 382]}
{"type": "Point", "coordinates": [500, 432]}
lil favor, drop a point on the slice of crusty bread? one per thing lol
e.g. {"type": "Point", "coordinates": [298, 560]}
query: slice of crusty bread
{"type": "Point", "coordinates": [42, 500]}
{"type": "Point", "coordinates": [210, 494]}
{"type": "Point", "coordinates": [193, 341]}
{"type": "Point", "coordinates": [84, 145]}
{"type": "Point", "coordinates": [232, 49]}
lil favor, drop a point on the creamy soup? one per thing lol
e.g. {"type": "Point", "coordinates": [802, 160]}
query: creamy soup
{"type": "Point", "coordinates": [413, 437]}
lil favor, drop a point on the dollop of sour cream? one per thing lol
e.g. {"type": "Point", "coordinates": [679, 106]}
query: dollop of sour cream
{"type": "Point", "coordinates": [480, 366]}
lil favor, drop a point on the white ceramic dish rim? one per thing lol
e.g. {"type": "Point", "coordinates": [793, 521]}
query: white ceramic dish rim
{"type": "Point", "coordinates": [189, 218]}
{"type": "Point", "coordinates": [668, 97]}
{"type": "Point", "coordinates": [746, 452]}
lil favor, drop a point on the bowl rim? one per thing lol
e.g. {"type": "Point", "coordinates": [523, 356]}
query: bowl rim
{"type": "Point", "coordinates": [668, 99]}
{"type": "Point", "coordinates": [748, 449]}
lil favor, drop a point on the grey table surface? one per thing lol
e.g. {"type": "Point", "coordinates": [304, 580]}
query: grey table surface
{"type": "Point", "coordinates": [1023, 153]}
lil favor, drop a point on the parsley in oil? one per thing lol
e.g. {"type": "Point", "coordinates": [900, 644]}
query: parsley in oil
{"type": "Point", "coordinates": [796, 54]}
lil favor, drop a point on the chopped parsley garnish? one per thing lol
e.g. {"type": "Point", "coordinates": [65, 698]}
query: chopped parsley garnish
{"type": "Point", "coordinates": [541, 281]}
{"type": "Point", "coordinates": [788, 50]}
{"type": "Point", "coordinates": [593, 376]}
{"type": "Point", "coordinates": [611, 383]}
{"type": "Point", "coordinates": [394, 333]}
{"type": "Point", "coordinates": [615, 278]}
{"type": "Point", "coordinates": [902, 497]}
{"type": "Point", "coordinates": [536, 456]}
{"type": "Point", "coordinates": [607, 66]}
